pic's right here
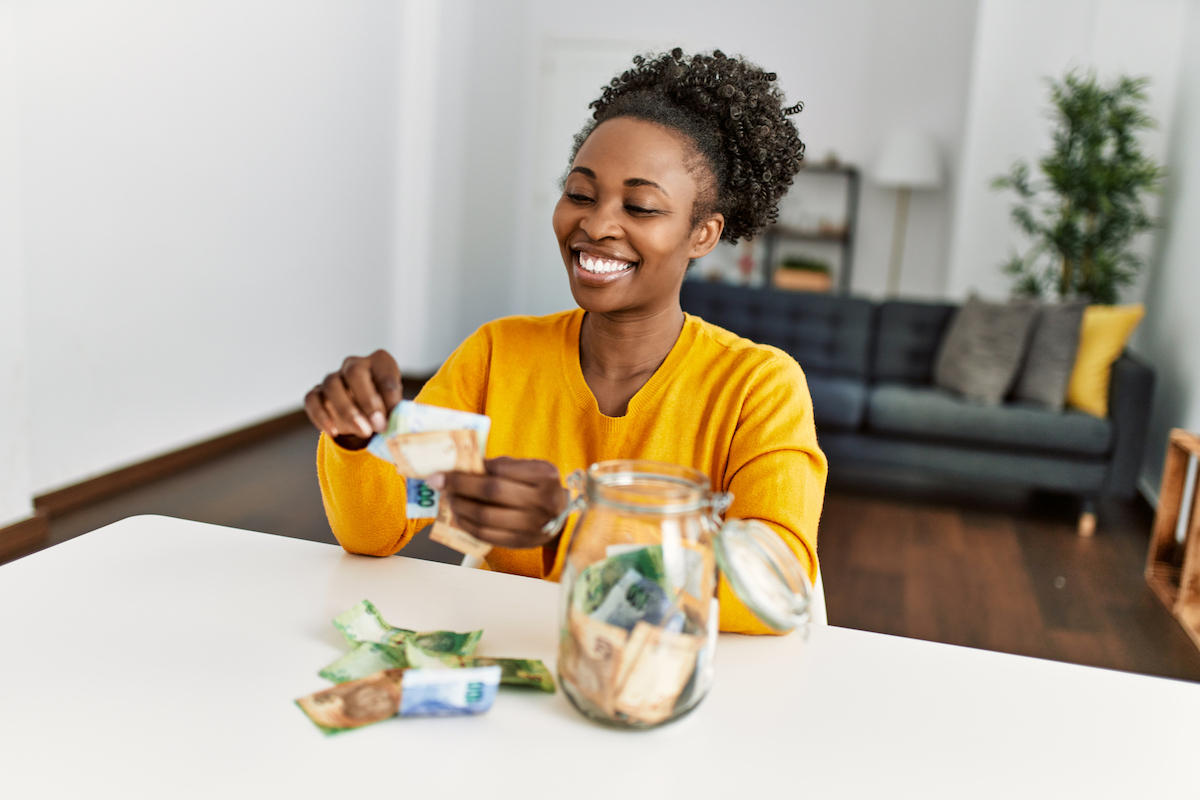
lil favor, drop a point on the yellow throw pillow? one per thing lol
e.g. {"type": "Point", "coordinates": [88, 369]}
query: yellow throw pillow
{"type": "Point", "coordinates": [1101, 340]}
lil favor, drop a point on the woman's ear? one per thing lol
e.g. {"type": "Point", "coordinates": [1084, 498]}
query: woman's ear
{"type": "Point", "coordinates": [706, 236]}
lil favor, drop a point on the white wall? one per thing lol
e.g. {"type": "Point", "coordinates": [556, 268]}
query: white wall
{"type": "Point", "coordinates": [15, 478]}
{"type": "Point", "coordinates": [1169, 334]}
{"type": "Point", "coordinates": [1019, 43]}
{"type": "Point", "coordinates": [206, 193]}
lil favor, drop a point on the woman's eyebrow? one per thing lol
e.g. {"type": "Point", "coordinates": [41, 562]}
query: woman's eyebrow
{"type": "Point", "coordinates": [644, 182]}
{"type": "Point", "coordinates": [588, 173]}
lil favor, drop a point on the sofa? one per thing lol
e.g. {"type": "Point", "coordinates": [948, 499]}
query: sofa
{"type": "Point", "coordinates": [870, 372]}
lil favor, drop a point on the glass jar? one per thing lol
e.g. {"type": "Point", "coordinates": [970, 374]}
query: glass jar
{"type": "Point", "coordinates": [639, 618]}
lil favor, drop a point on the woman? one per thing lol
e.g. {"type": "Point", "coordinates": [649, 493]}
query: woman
{"type": "Point", "coordinates": [681, 153]}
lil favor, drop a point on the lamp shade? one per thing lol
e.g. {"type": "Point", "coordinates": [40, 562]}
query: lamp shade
{"type": "Point", "coordinates": [909, 161]}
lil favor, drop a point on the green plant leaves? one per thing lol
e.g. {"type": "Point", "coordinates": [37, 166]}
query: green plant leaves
{"type": "Point", "coordinates": [1084, 211]}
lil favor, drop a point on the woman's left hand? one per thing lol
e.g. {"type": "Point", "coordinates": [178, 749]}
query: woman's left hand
{"type": "Point", "coordinates": [510, 504]}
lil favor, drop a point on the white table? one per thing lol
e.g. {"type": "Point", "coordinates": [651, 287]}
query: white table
{"type": "Point", "coordinates": [158, 658]}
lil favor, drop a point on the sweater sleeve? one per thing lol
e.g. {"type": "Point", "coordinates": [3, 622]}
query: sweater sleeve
{"type": "Point", "coordinates": [364, 497]}
{"type": "Point", "coordinates": [776, 473]}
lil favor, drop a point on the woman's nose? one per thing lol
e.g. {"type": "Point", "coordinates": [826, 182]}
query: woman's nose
{"type": "Point", "coordinates": [601, 222]}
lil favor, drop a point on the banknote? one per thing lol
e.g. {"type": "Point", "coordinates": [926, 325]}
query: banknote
{"type": "Point", "coordinates": [447, 692]}
{"type": "Point", "coordinates": [411, 417]}
{"type": "Point", "coordinates": [406, 692]}
{"type": "Point", "coordinates": [364, 623]}
{"type": "Point", "coordinates": [596, 582]}
{"type": "Point", "coordinates": [655, 668]}
{"type": "Point", "coordinates": [591, 659]}
{"type": "Point", "coordinates": [513, 671]}
{"type": "Point", "coordinates": [632, 599]}
{"type": "Point", "coordinates": [365, 659]}
{"type": "Point", "coordinates": [368, 658]}
{"type": "Point", "coordinates": [446, 530]}
{"type": "Point", "coordinates": [421, 499]}
{"type": "Point", "coordinates": [419, 455]}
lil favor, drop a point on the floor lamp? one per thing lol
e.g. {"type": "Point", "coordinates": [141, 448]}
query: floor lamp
{"type": "Point", "coordinates": [909, 161]}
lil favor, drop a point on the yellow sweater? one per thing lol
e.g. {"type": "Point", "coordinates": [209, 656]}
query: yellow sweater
{"type": "Point", "coordinates": [738, 411]}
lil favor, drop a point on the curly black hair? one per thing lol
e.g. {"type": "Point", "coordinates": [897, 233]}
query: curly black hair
{"type": "Point", "coordinates": [732, 111]}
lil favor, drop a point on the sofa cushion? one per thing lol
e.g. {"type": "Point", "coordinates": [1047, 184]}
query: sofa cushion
{"type": "Point", "coordinates": [907, 339]}
{"type": "Point", "coordinates": [982, 350]}
{"type": "Point", "coordinates": [1051, 357]}
{"type": "Point", "coordinates": [930, 413]}
{"type": "Point", "coordinates": [827, 335]}
{"type": "Point", "coordinates": [838, 403]}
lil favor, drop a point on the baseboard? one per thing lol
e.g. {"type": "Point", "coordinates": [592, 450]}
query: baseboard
{"type": "Point", "coordinates": [69, 498]}
{"type": "Point", "coordinates": [22, 537]}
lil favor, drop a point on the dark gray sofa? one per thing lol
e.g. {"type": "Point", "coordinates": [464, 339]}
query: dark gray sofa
{"type": "Point", "coordinates": [870, 371]}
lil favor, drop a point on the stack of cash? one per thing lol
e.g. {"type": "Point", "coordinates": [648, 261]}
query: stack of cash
{"type": "Point", "coordinates": [424, 440]}
{"type": "Point", "coordinates": [637, 638]}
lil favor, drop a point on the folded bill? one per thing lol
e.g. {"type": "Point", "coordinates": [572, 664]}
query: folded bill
{"type": "Point", "coordinates": [364, 623]}
{"type": "Point", "coordinates": [446, 530]}
{"type": "Point", "coordinates": [419, 455]}
{"type": "Point", "coordinates": [367, 658]}
{"type": "Point", "coordinates": [403, 692]}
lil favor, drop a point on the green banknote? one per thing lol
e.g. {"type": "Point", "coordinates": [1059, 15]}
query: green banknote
{"type": "Point", "coordinates": [599, 579]}
{"type": "Point", "coordinates": [368, 658]}
{"type": "Point", "coordinates": [364, 624]}
{"type": "Point", "coordinates": [365, 659]}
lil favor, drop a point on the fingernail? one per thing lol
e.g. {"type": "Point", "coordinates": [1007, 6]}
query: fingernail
{"type": "Point", "coordinates": [363, 427]}
{"type": "Point", "coordinates": [378, 421]}
{"type": "Point", "coordinates": [436, 481]}
{"type": "Point", "coordinates": [333, 432]}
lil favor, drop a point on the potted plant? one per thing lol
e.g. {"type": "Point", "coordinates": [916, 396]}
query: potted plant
{"type": "Point", "coordinates": [1084, 211]}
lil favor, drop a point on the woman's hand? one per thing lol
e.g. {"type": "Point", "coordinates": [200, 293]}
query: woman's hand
{"type": "Point", "coordinates": [510, 504]}
{"type": "Point", "coordinates": [354, 402]}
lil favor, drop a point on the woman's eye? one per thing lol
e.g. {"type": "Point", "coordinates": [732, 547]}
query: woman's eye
{"type": "Point", "coordinates": [638, 210]}
{"type": "Point", "coordinates": [578, 198]}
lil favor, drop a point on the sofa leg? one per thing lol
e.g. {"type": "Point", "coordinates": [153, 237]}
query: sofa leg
{"type": "Point", "coordinates": [1087, 517]}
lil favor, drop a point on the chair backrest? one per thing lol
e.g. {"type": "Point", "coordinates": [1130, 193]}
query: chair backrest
{"type": "Point", "coordinates": [817, 613]}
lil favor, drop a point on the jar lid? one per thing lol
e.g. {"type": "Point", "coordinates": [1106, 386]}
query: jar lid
{"type": "Point", "coordinates": [764, 573]}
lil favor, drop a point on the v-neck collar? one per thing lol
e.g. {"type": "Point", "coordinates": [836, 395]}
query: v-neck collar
{"type": "Point", "coordinates": [573, 369]}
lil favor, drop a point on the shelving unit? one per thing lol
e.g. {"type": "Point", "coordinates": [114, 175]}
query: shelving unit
{"type": "Point", "coordinates": [843, 238]}
{"type": "Point", "coordinates": [1173, 567]}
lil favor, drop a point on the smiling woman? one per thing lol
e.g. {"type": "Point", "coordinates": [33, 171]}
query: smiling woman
{"type": "Point", "coordinates": [681, 153]}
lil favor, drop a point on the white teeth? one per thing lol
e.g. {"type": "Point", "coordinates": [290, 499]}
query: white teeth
{"type": "Point", "coordinates": [602, 265]}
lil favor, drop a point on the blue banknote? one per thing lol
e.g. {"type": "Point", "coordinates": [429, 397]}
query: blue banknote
{"type": "Point", "coordinates": [448, 692]}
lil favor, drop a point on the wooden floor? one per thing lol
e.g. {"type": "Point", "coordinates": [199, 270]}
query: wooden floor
{"type": "Point", "coordinates": [989, 570]}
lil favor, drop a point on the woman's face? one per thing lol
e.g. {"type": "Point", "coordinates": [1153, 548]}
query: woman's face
{"type": "Point", "coordinates": [624, 221]}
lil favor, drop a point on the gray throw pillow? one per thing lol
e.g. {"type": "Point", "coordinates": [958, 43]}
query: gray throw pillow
{"type": "Point", "coordinates": [1047, 370]}
{"type": "Point", "coordinates": [983, 349]}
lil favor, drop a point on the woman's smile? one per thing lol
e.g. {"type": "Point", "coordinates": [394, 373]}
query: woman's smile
{"type": "Point", "coordinates": [596, 270]}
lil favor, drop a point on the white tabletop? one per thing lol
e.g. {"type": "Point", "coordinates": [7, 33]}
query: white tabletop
{"type": "Point", "coordinates": [159, 658]}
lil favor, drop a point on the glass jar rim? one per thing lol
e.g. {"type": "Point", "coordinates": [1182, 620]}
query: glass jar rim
{"type": "Point", "coordinates": [682, 490]}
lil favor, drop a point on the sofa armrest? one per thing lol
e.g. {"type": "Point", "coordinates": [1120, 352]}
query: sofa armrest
{"type": "Point", "coordinates": [1130, 395]}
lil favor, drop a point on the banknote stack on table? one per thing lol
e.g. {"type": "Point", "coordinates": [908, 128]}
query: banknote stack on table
{"type": "Point", "coordinates": [638, 637]}
{"type": "Point", "coordinates": [423, 440]}
{"type": "Point", "coordinates": [394, 671]}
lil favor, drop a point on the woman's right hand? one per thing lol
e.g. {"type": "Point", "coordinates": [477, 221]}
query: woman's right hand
{"type": "Point", "coordinates": [354, 402]}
